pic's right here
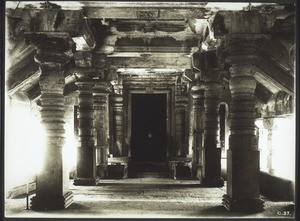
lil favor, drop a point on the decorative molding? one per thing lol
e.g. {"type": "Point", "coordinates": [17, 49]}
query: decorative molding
{"type": "Point", "coordinates": [148, 15]}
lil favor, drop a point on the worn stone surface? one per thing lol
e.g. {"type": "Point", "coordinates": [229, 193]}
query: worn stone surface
{"type": "Point", "coordinates": [149, 198]}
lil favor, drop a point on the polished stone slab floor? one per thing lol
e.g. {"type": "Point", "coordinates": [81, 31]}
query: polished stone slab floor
{"type": "Point", "coordinates": [147, 198]}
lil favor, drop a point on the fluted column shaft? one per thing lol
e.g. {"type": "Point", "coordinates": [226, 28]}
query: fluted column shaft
{"type": "Point", "coordinates": [86, 153]}
{"type": "Point", "coordinates": [211, 168]}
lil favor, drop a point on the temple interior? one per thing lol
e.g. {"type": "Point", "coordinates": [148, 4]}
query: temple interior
{"type": "Point", "coordinates": [150, 109]}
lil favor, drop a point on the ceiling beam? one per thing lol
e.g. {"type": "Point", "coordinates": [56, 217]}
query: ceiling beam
{"type": "Point", "coordinates": [179, 63]}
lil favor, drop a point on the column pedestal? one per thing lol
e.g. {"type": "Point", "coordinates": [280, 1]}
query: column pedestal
{"type": "Point", "coordinates": [45, 203]}
{"type": "Point", "coordinates": [241, 197]}
{"type": "Point", "coordinates": [211, 176]}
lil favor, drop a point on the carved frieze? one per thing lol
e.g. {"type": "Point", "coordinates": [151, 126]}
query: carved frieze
{"type": "Point", "coordinates": [147, 14]}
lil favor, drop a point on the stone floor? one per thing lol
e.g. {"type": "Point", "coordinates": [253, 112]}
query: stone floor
{"type": "Point", "coordinates": [147, 198]}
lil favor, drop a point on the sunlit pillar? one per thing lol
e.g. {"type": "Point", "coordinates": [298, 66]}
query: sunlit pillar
{"type": "Point", "coordinates": [86, 152]}
{"type": "Point", "coordinates": [211, 166]}
{"type": "Point", "coordinates": [196, 130]}
{"type": "Point", "coordinates": [117, 149]}
{"type": "Point", "coordinates": [101, 115]}
{"type": "Point", "coordinates": [268, 124]}
{"type": "Point", "coordinates": [243, 155]}
{"type": "Point", "coordinates": [52, 183]}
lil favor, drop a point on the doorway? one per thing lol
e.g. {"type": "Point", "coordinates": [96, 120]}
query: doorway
{"type": "Point", "coordinates": [148, 127]}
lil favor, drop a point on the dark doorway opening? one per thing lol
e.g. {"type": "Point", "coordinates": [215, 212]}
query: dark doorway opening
{"type": "Point", "coordinates": [148, 127]}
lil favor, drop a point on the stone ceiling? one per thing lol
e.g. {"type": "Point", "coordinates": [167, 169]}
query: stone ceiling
{"type": "Point", "coordinates": [146, 37]}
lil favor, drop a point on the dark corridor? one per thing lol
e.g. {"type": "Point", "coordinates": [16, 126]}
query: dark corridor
{"type": "Point", "coordinates": [148, 127]}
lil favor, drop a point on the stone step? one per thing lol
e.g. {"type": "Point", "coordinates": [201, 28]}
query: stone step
{"type": "Point", "coordinates": [149, 175]}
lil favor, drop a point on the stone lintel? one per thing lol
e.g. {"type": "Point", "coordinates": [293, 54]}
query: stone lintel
{"type": "Point", "coordinates": [233, 22]}
{"type": "Point", "coordinates": [151, 62]}
{"type": "Point", "coordinates": [132, 12]}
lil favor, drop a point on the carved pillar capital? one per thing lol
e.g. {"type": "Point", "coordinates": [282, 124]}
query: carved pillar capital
{"type": "Point", "coordinates": [242, 48]}
{"type": "Point", "coordinates": [57, 47]}
{"type": "Point", "coordinates": [85, 74]}
{"type": "Point", "coordinates": [51, 79]}
{"type": "Point", "coordinates": [268, 123]}
{"type": "Point", "coordinates": [101, 87]}
{"type": "Point", "coordinates": [197, 91]}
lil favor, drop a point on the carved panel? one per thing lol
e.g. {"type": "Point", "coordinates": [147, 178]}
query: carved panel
{"type": "Point", "coordinates": [148, 15]}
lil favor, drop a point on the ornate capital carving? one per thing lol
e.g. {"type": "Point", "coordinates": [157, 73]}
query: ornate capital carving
{"type": "Point", "coordinates": [101, 87]}
{"type": "Point", "coordinates": [197, 91]}
{"type": "Point", "coordinates": [268, 123]}
{"type": "Point", "coordinates": [240, 50]}
{"type": "Point", "coordinates": [51, 46]}
{"type": "Point", "coordinates": [51, 79]}
{"type": "Point", "coordinates": [85, 74]}
{"type": "Point", "coordinates": [242, 70]}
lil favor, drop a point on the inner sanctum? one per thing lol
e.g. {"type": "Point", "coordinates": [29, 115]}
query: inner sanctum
{"type": "Point", "coordinates": [202, 92]}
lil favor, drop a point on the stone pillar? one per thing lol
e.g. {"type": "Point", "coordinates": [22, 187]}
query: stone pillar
{"type": "Point", "coordinates": [86, 153]}
{"type": "Point", "coordinates": [196, 131]}
{"type": "Point", "coordinates": [52, 183]}
{"type": "Point", "coordinates": [211, 167]}
{"type": "Point", "coordinates": [243, 155]}
{"type": "Point", "coordinates": [117, 110]}
{"type": "Point", "coordinates": [222, 113]}
{"type": "Point", "coordinates": [180, 113]}
{"type": "Point", "coordinates": [268, 124]}
{"type": "Point", "coordinates": [101, 115]}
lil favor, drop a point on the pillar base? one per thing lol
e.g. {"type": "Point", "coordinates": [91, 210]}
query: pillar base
{"type": "Point", "coordinates": [217, 182]}
{"type": "Point", "coordinates": [197, 171]}
{"type": "Point", "coordinates": [242, 205]}
{"type": "Point", "coordinates": [45, 203]}
{"type": "Point", "coordinates": [78, 181]}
